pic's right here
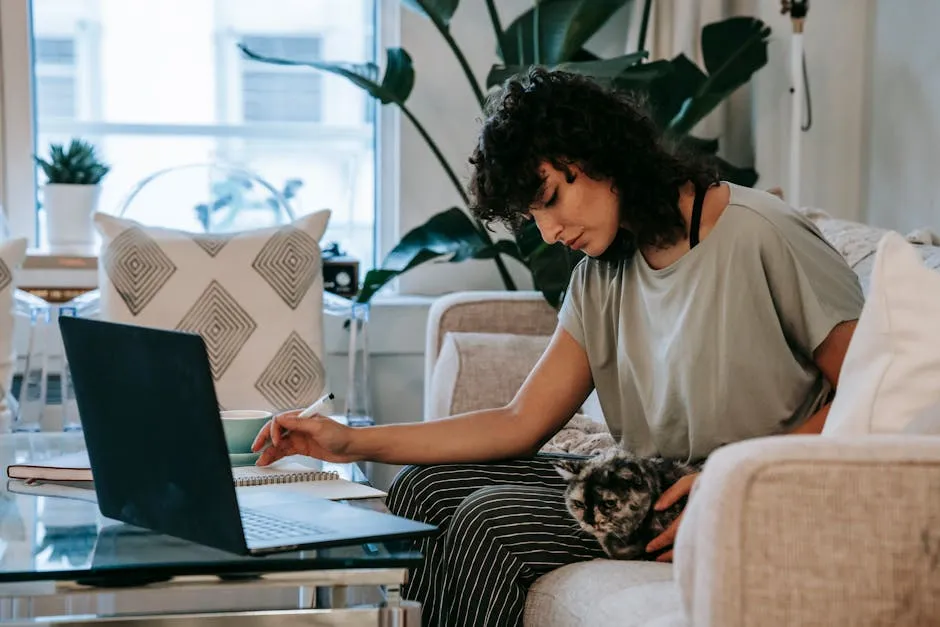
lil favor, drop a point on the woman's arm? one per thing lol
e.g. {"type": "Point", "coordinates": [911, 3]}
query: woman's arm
{"type": "Point", "coordinates": [550, 395]}
{"type": "Point", "coordinates": [557, 386]}
{"type": "Point", "coordinates": [829, 357]}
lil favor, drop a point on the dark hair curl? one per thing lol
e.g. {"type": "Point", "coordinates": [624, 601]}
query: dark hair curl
{"type": "Point", "coordinates": [566, 118]}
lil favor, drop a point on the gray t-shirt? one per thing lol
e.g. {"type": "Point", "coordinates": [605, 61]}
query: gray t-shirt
{"type": "Point", "coordinates": [718, 346]}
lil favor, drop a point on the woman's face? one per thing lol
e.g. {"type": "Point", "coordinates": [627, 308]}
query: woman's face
{"type": "Point", "coordinates": [581, 212]}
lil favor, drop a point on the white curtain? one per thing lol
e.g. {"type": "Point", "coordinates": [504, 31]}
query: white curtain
{"type": "Point", "coordinates": [676, 27]}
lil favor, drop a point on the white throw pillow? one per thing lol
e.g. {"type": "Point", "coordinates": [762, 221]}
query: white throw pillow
{"type": "Point", "coordinates": [891, 371]}
{"type": "Point", "coordinates": [256, 297]}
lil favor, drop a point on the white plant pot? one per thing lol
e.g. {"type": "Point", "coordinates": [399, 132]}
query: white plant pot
{"type": "Point", "coordinates": [69, 208]}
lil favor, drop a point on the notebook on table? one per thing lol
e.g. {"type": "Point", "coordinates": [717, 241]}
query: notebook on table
{"type": "Point", "coordinates": [76, 468]}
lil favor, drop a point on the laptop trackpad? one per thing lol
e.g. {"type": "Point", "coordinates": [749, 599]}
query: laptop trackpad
{"type": "Point", "coordinates": [274, 496]}
{"type": "Point", "coordinates": [294, 504]}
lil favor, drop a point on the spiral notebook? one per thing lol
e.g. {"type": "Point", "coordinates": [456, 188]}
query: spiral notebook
{"type": "Point", "coordinates": [280, 473]}
{"type": "Point", "coordinates": [74, 468]}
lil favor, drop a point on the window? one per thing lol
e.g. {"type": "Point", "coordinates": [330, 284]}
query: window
{"type": "Point", "coordinates": [276, 93]}
{"type": "Point", "coordinates": [156, 84]}
{"type": "Point", "coordinates": [54, 63]}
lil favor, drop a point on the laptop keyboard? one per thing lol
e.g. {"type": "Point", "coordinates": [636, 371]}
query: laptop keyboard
{"type": "Point", "coordinates": [262, 527]}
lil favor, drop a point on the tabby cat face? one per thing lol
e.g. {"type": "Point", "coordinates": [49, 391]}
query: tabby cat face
{"type": "Point", "coordinates": [607, 495]}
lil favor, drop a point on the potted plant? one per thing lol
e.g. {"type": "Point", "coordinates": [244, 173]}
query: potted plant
{"type": "Point", "coordinates": [70, 194]}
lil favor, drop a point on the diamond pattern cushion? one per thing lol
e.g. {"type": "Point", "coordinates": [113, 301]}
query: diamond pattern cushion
{"type": "Point", "coordinates": [256, 298]}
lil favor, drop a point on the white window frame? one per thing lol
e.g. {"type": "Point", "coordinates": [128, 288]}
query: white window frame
{"type": "Point", "coordinates": [17, 128]}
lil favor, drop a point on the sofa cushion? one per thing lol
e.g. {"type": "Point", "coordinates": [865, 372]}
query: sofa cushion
{"type": "Point", "coordinates": [485, 370]}
{"type": "Point", "coordinates": [892, 365]}
{"type": "Point", "coordinates": [256, 298]}
{"type": "Point", "coordinates": [605, 592]}
{"type": "Point", "coordinates": [481, 370]}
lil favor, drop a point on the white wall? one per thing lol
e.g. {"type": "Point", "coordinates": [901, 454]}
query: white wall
{"type": "Point", "coordinates": [904, 134]}
{"type": "Point", "coordinates": [836, 41]}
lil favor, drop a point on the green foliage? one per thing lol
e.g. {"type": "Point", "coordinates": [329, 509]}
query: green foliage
{"type": "Point", "coordinates": [77, 165]}
{"type": "Point", "coordinates": [394, 88]}
{"type": "Point", "coordinates": [563, 27]}
{"type": "Point", "coordinates": [554, 33]}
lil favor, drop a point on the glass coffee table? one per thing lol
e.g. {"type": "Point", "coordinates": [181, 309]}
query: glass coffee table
{"type": "Point", "coordinates": [61, 561]}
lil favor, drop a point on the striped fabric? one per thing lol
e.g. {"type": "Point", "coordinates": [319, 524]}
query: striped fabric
{"type": "Point", "coordinates": [503, 525]}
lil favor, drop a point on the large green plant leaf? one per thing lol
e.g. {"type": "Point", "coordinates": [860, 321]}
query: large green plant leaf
{"type": "Point", "coordinates": [701, 145]}
{"type": "Point", "coordinates": [450, 233]}
{"type": "Point", "coordinates": [395, 87]}
{"type": "Point", "coordinates": [564, 26]}
{"type": "Point", "coordinates": [728, 171]}
{"type": "Point", "coordinates": [438, 10]}
{"type": "Point", "coordinates": [733, 50]}
{"type": "Point", "coordinates": [501, 247]}
{"type": "Point", "coordinates": [640, 78]}
{"type": "Point", "coordinates": [603, 70]}
{"type": "Point", "coordinates": [678, 81]}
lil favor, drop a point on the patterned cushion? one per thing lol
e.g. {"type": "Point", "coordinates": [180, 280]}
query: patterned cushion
{"type": "Point", "coordinates": [256, 297]}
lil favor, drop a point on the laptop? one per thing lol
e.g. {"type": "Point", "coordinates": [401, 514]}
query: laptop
{"type": "Point", "coordinates": [151, 424]}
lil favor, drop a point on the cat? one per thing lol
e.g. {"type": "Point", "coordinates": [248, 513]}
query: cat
{"type": "Point", "coordinates": [612, 497]}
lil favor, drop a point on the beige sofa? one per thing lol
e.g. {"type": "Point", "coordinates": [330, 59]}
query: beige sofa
{"type": "Point", "coordinates": [800, 530]}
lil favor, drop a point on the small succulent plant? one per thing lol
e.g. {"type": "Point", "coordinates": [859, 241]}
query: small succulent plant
{"type": "Point", "coordinates": [78, 165]}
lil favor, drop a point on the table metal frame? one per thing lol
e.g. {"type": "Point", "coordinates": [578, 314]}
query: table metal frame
{"type": "Point", "coordinates": [325, 597]}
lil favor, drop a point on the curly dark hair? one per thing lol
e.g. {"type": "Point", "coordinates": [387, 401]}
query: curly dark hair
{"type": "Point", "coordinates": [566, 118]}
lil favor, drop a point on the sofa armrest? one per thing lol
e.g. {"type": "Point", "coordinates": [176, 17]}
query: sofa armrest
{"type": "Point", "coordinates": [515, 313]}
{"type": "Point", "coordinates": [814, 530]}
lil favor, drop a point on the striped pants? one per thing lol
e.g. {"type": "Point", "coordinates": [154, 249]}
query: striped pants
{"type": "Point", "coordinates": [502, 526]}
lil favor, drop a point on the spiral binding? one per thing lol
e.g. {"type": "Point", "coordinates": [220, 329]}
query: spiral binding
{"type": "Point", "coordinates": [286, 477]}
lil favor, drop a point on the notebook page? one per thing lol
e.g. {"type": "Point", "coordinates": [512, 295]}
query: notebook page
{"type": "Point", "coordinates": [336, 490]}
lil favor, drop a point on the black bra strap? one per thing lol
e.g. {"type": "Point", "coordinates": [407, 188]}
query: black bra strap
{"type": "Point", "coordinates": [696, 217]}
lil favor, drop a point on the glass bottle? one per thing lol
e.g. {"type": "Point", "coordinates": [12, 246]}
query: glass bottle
{"type": "Point", "coordinates": [70, 418]}
{"type": "Point", "coordinates": [358, 401]}
{"type": "Point", "coordinates": [32, 397]}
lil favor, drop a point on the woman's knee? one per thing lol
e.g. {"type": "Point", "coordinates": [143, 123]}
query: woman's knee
{"type": "Point", "coordinates": [484, 511]}
{"type": "Point", "coordinates": [410, 487]}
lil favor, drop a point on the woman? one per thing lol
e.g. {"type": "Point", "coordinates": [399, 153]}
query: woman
{"type": "Point", "coordinates": [704, 313]}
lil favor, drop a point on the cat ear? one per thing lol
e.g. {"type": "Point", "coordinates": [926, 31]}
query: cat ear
{"type": "Point", "coordinates": [568, 468]}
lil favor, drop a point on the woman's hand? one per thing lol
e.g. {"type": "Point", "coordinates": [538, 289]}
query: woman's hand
{"type": "Point", "coordinates": [318, 436]}
{"type": "Point", "coordinates": [676, 491]}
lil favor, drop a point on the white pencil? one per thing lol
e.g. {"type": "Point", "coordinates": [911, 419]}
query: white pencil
{"type": "Point", "coordinates": [317, 406]}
